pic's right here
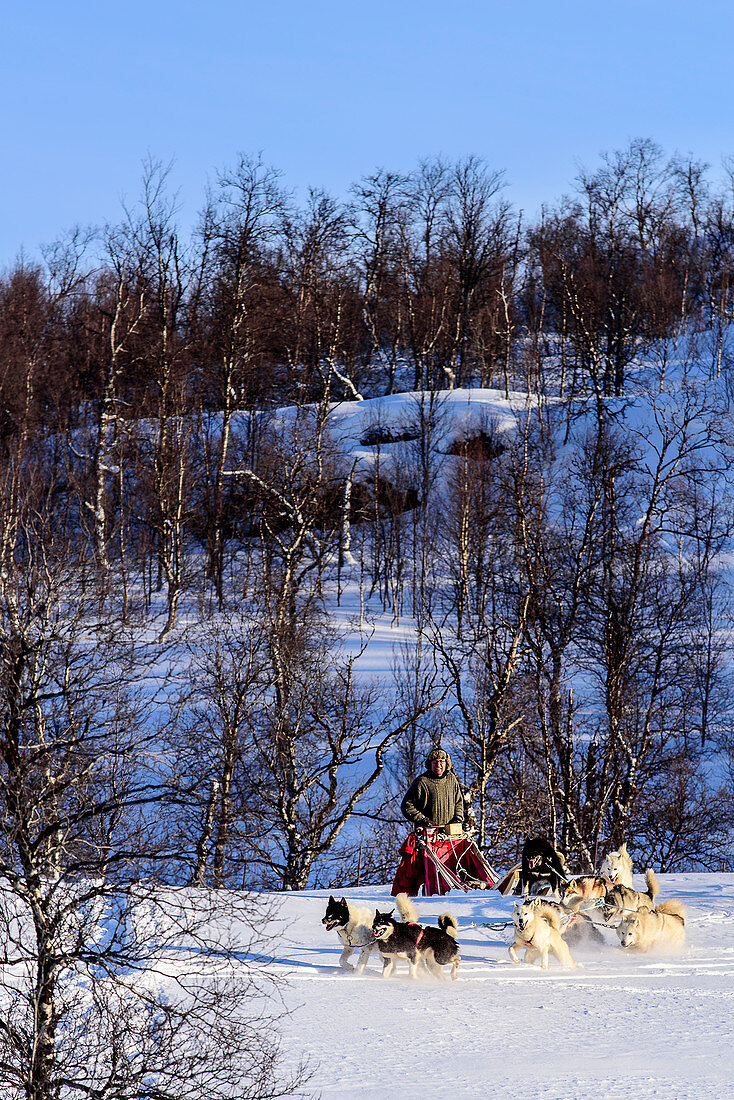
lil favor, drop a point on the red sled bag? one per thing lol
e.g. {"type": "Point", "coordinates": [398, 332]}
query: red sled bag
{"type": "Point", "coordinates": [410, 874]}
{"type": "Point", "coordinates": [436, 863]}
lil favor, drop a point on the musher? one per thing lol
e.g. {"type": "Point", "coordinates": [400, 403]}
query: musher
{"type": "Point", "coordinates": [435, 798]}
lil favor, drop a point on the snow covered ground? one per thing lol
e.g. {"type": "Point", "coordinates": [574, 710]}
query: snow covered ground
{"type": "Point", "coordinates": [618, 1025]}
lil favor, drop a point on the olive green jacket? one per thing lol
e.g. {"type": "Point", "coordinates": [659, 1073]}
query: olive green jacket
{"type": "Point", "coordinates": [434, 800]}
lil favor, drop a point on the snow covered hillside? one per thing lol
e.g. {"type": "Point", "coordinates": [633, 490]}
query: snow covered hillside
{"type": "Point", "coordinates": [620, 1024]}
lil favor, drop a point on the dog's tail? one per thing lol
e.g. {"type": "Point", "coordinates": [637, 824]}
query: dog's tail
{"type": "Point", "coordinates": [408, 912]}
{"type": "Point", "coordinates": [448, 923]}
{"type": "Point", "coordinates": [673, 908]}
{"type": "Point", "coordinates": [548, 912]}
{"type": "Point", "coordinates": [652, 884]}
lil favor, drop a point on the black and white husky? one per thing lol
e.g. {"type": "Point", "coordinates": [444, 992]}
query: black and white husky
{"type": "Point", "coordinates": [406, 939]}
{"type": "Point", "coordinates": [353, 926]}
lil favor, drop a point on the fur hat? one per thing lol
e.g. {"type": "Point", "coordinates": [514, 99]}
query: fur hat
{"type": "Point", "coordinates": [438, 754]}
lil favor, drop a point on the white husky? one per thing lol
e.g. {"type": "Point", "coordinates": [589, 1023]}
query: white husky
{"type": "Point", "coordinates": [616, 870]}
{"type": "Point", "coordinates": [538, 930]}
{"type": "Point", "coordinates": [659, 928]}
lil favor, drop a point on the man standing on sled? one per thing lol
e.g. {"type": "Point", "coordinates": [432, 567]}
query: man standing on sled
{"type": "Point", "coordinates": [435, 798]}
{"type": "Point", "coordinates": [432, 861]}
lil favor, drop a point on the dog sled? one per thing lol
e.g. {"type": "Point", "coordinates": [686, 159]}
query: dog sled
{"type": "Point", "coordinates": [435, 861]}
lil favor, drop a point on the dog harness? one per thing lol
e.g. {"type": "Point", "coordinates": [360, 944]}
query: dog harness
{"type": "Point", "coordinates": [659, 932]}
{"type": "Point", "coordinates": [420, 933]}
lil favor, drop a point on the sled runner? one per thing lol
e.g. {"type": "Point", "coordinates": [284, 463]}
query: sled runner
{"type": "Point", "coordinates": [510, 881]}
{"type": "Point", "coordinates": [434, 862]}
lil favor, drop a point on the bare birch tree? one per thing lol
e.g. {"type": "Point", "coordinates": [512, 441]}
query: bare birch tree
{"type": "Point", "coordinates": [93, 1001]}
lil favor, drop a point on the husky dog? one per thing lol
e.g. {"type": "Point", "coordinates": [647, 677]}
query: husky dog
{"type": "Point", "coordinates": [353, 926]}
{"type": "Point", "coordinates": [539, 933]}
{"type": "Point", "coordinates": [654, 928]}
{"type": "Point", "coordinates": [576, 928]}
{"type": "Point", "coordinates": [583, 888]}
{"type": "Point", "coordinates": [541, 864]}
{"type": "Point", "coordinates": [623, 901]}
{"type": "Point", "coordinates": [433, 947]}
{"type": "Point", "coordinates": [616, 870]}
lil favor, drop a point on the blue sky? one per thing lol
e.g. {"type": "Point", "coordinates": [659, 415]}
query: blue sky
{"type": "Point", "coordinates": [331, 91]}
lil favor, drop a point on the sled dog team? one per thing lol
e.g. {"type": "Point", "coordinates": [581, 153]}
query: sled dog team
{"type": "Point", "coordinates": [541, 926]}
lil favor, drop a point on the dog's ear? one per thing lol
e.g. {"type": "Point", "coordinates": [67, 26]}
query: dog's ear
{"type": "Point", "coordinates": [623, 849]}
{"type": "Point", "coordinates": [344, 901]}
{"type": "Point", "coordinates": [331, 900]}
